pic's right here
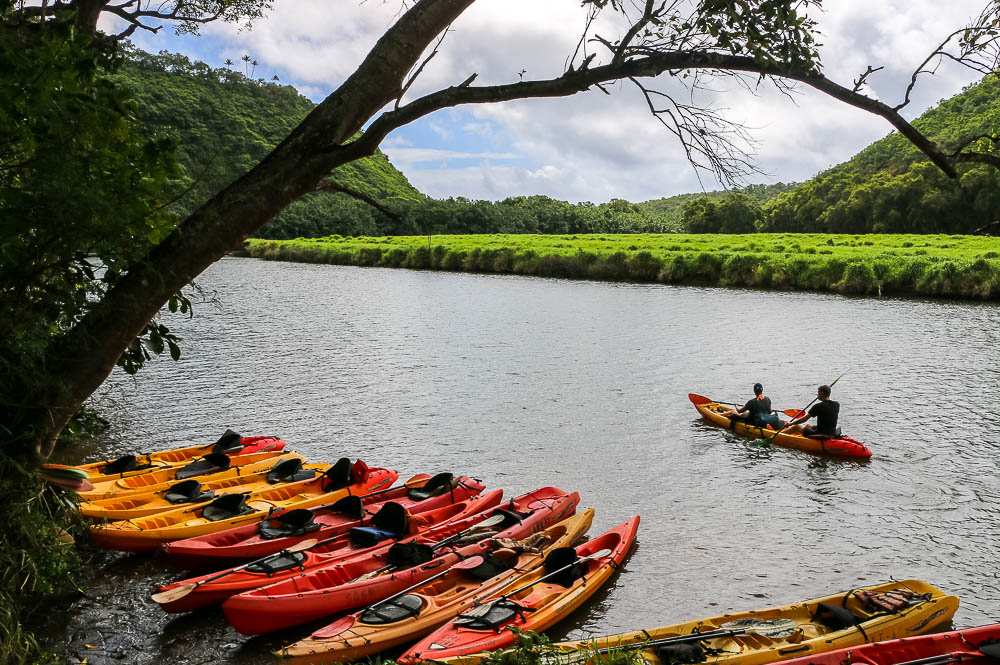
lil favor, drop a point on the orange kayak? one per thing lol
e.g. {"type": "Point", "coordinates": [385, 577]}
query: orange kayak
{"type": "Point", "coordinates": [841, 446]}
{"type": "Point", "coordinates": [408, 616]}
{"type": "Point", "coordinates": [145, 534]}
{"type": "Point", "coordinates": [199, 491]}
{"type": "Point", "coordinates": [543, 597]}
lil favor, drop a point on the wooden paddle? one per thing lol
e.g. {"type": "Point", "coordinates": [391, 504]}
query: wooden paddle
{"type": "Point", "coordinates": [170, 595]}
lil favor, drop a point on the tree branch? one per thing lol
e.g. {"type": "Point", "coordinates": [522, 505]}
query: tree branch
{"type": "Point", "coordinates": [331, 186]}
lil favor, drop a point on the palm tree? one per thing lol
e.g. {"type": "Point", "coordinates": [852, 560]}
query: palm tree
{"type": "Point", "coordinates": [229, 63]}
{"type": "Point", "coordinates": [275, 78]}
{"type": "Point", "coordinates": [246, 60]}
{"type": "Point", "coordinates": [254, 63]}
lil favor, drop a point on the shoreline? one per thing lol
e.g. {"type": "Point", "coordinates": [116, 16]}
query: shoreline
{"type": "Point", "coordinates": [955, 267]}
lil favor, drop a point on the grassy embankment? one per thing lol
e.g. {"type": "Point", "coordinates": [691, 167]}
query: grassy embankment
{"type": "Point", "coordinates": [932, 265]}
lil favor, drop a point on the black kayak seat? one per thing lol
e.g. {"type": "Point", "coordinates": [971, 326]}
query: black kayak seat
{"type": "Point", "coordinates": [438, 484]}
{"type": "Point", "coordinates": [290, 523]}
{"type": "Point", "coordinates": [277, 563]}
{"type": "Point", "coordinates": [406, 555]}
{"type": "Point", "coordinates": [389, 522]}
{"type": "Point", "coordinates": [337, 476]}
{"type": "Point", "coordinates": [351, 506]}
{"type": "Point", "coordinates": [211, 463]}
{"type": "Point", "coordinates": [836, 433]}
{"type": "Point", "coordinates": [510, 518]}
{"type": "Point", "coordinates": [560, 558]}
{"type": "Point", "coordinates": [228, 442]}
{"type": "Point", "coordinates": [289, 471]}
{"type": "Point", "coordinates": [394, 610]}
{"type": "Point", "coordinates": [187, 491]}
{"type": "Point", "coordinates": [124, 464]}
{"type": "Point", "coordinates": [225, 507]}
{"type": "Point", "coordinates": [835, 617]}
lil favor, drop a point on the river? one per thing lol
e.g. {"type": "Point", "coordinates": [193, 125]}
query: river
{"type": "Point", "coordinates": [525, 382]}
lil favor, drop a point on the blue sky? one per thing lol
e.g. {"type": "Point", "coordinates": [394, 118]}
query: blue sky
{"type": "Point", "coordinates": [590, 147]}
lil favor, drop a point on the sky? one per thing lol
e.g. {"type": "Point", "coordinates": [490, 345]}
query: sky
{"type": "Point", "coordinates": [591, 146]}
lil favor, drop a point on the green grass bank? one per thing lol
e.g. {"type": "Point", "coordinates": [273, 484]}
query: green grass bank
{"type": "Point", "coordinates": [952, 266]}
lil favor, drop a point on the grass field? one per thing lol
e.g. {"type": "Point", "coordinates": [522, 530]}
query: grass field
{"type": "Point", "coordinates": [933, 265]}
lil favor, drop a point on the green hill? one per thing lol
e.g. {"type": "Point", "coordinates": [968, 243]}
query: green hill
{"type": "Point", "coordinates": [225, 123]}
{"type": "Point", "coordinates": [890, 187]}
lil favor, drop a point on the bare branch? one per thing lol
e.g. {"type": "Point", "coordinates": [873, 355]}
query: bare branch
{"type": "Point", "coordinates": [331, 186]}
{"type": "Point", "coordinates": [861, 80]}
{"type": "Point", "coordinates": [420, 68]}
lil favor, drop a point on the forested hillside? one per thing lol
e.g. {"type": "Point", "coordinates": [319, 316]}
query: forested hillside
{"type": "Point", "coordinates": [889, 187]}
{"type": "Point", "coordinates": [225, 122]}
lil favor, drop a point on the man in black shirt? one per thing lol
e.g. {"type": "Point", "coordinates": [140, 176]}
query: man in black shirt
{"type": "Point", "coordinates": [825, 411]}
{"type": "Point", "coordinates": [754, 410]}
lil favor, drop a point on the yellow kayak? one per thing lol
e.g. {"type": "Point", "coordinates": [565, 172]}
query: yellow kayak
{"type": "Point", "coordinates": [200, 490]}
{"type": "Point", "coordinates": [158, 479]}
{"type": "Point", "coordinates": [866, 614]}
{"type": "Point", "coordinates": [145, 534]}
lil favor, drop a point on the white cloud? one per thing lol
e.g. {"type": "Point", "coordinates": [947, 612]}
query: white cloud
{"type": "Point", "coordinates": [591, 146]}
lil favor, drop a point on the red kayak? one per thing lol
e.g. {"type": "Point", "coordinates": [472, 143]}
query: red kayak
{"type": "Point", "coordinates": [252, 541]}
{"type": "Point", "coordinates": [391, 524]}
{"type": "Point", "coordinates": [980, 646]}
{"type": "Point", "coordinates": [340, 588]}
{"type": "Point", "coordinates": [542, 598]}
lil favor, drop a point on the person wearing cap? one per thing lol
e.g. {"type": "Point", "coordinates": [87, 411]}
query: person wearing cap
{"type": "Point", "coordinates": [756, 412]}
{"type": "Point", "coordinates": [826, 411]}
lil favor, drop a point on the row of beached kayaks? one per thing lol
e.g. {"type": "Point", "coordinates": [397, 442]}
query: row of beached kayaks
{"type": "Point", "coordinates": [450, 572]}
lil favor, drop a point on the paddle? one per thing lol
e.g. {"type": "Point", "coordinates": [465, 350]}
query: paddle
{"type": "Point", "coordinates": [600, 554]}
{"type": "Point", "coordinates": [769, 439]}
{"type": "Point", "coordinates": [770, 628]}
{"type": "Point", "coordinates": [170, 595]}
{"type": "Point", "coordinates": [485, 524]}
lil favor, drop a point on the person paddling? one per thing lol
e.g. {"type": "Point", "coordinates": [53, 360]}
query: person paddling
{"type": "Point", "coordinates": [825, 411]}
{"type": "Point", "coordinates": [757, 411]}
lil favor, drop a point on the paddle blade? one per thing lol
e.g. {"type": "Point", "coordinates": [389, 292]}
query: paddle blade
{"type": "Point", "coordinates": [698, 399]}
{"type": "Point", "coordinates": [335, 628]}
{"type": "Point", "coordinates": [302, 545]}
{"type": "Point", "coordinates": [418, 480]}
{"type": "Point", "coordinates": [170, 595]}
{"type": "Point", "coordinates": [469, 564]}
{"type": "Point", "coordinates": [794, 413]}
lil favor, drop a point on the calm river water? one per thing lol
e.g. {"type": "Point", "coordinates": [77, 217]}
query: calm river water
{"type": "Point", "coordinates": [525, 382]}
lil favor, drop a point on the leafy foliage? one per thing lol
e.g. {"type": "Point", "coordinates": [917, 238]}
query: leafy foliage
{"type": "Point", "coordinates": [225, 123]}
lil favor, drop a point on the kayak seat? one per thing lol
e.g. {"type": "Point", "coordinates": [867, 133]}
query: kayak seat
{"type": "Point", "coordinates": [489, 568]}
{"type": "Point", "coordinates": [681, 654]}
{"type": "Point", "coordinates": [211, 463]}
{"type": "Point", "coordinates": [561, 557]}
{"type": "Point", "coordinates": [394, 610]}
{"type": "Point", "coordinates": [124, 464]}
{"type": "Point", "coordinates": [836, 618]}
{"type": "Point", "coordinates": [491, 616]}
{"type": "Point", "coordinates": [350, 506]}
{"type": "Point", "coordinates": [390, 521]}
{"type": "Point", "coordinates": [277, 563]}
{"type": "Point", "coordinates": [188, 491]}
{"type": "Point", "coordinates": [228, 442]}
{"type": "Point", "coordinates": [289, 471]}
{"type": "Point", "coordinates": [225, 507]}
{"type": "Point", "coordinates": [407, 555]}
{"type": "Point", "coordinates": [290, 523]}
{"type": "Point", "coordinates": [510, 518]}
{"type": "Point", "coordinates": [439, 484]}
{"type": "Point", "coordinates": [337, 477]}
